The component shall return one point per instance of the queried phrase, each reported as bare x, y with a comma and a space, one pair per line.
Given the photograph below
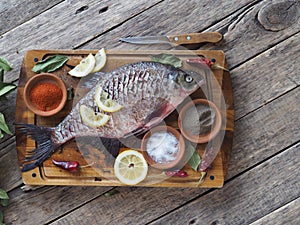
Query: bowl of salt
163, 147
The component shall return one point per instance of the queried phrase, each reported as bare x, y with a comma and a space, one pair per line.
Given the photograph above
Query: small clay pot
43, 78
169, 164
202, 138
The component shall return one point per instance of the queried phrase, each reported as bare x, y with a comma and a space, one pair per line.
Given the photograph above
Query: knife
192, 38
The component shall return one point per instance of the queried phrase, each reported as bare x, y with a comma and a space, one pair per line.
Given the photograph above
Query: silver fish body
148, 92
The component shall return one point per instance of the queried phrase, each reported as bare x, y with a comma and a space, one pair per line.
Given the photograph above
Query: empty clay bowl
44, 80
190, 129
160, 149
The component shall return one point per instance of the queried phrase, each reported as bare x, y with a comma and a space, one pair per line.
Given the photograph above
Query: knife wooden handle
195, 38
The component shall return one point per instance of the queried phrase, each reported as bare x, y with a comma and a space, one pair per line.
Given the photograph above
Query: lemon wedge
100, 58
104, 103
85, 67
130, 167
91, 119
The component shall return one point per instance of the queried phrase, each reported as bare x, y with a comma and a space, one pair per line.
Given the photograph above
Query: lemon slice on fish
85, 67
100, 58
104, 103
92, 119
130, 167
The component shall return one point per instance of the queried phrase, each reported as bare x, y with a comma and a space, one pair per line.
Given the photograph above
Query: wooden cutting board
87, 150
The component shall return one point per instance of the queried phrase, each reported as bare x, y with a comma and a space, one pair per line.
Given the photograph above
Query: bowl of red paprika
45, 94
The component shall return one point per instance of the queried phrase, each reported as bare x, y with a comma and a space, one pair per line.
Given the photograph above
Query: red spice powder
46, 96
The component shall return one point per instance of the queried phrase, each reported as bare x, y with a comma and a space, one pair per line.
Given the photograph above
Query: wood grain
47, 203
287, 214
15, 12
245, 37
252, 195
266, 77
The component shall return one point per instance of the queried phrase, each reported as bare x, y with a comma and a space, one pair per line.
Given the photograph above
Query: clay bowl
39, 79
201, 138
166, 164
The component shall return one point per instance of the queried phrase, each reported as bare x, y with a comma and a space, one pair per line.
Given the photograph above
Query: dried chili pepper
46, 96
71, 166
176, 173
206, 62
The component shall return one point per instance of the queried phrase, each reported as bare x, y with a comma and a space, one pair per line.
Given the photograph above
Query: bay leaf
4, 64
3, 194
5, 88
168, 59
195, 159
50, 64
4, 127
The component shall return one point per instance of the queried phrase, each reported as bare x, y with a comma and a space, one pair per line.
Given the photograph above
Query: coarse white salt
162, 147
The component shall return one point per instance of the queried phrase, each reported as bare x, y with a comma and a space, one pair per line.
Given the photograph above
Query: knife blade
192, 38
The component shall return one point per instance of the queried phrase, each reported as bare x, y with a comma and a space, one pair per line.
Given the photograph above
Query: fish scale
147, 91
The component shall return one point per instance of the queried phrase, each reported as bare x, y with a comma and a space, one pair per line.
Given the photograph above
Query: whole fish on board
147, 91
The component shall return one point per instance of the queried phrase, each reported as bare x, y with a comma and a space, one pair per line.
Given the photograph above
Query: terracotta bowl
44, 78
169, 164
203, 138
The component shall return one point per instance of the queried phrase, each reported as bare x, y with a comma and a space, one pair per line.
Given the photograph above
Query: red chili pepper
206, 62
71, 166
202, 61
176, 173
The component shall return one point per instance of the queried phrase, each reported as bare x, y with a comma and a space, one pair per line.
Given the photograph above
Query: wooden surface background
262, 47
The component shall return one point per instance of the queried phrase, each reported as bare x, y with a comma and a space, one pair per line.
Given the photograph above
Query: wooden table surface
262, 47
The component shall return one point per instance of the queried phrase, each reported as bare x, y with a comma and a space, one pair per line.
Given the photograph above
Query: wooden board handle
195, 38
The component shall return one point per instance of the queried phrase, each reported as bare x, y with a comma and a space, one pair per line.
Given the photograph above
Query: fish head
187, 81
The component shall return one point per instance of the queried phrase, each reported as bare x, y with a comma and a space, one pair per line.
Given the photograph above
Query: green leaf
3, 127
5, 88
4, 64
1, 134
168, 59
111, 193
3, 194
195, 159
50, 64
4, 202
1, 75
1, 218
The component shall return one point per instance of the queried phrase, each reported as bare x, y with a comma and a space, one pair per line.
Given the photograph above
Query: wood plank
246, 35
47, 203
287, 214
267, 76
246, 198
63, 27
252, 145
10, 175
16, 12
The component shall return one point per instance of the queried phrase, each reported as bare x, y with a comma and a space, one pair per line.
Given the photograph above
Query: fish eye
188, 78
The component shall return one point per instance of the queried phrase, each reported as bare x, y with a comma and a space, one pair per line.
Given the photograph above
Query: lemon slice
130, 167
91, 119
104, 103
100, 58
85, 67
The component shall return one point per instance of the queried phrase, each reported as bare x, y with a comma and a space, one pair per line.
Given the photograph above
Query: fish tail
45, 145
